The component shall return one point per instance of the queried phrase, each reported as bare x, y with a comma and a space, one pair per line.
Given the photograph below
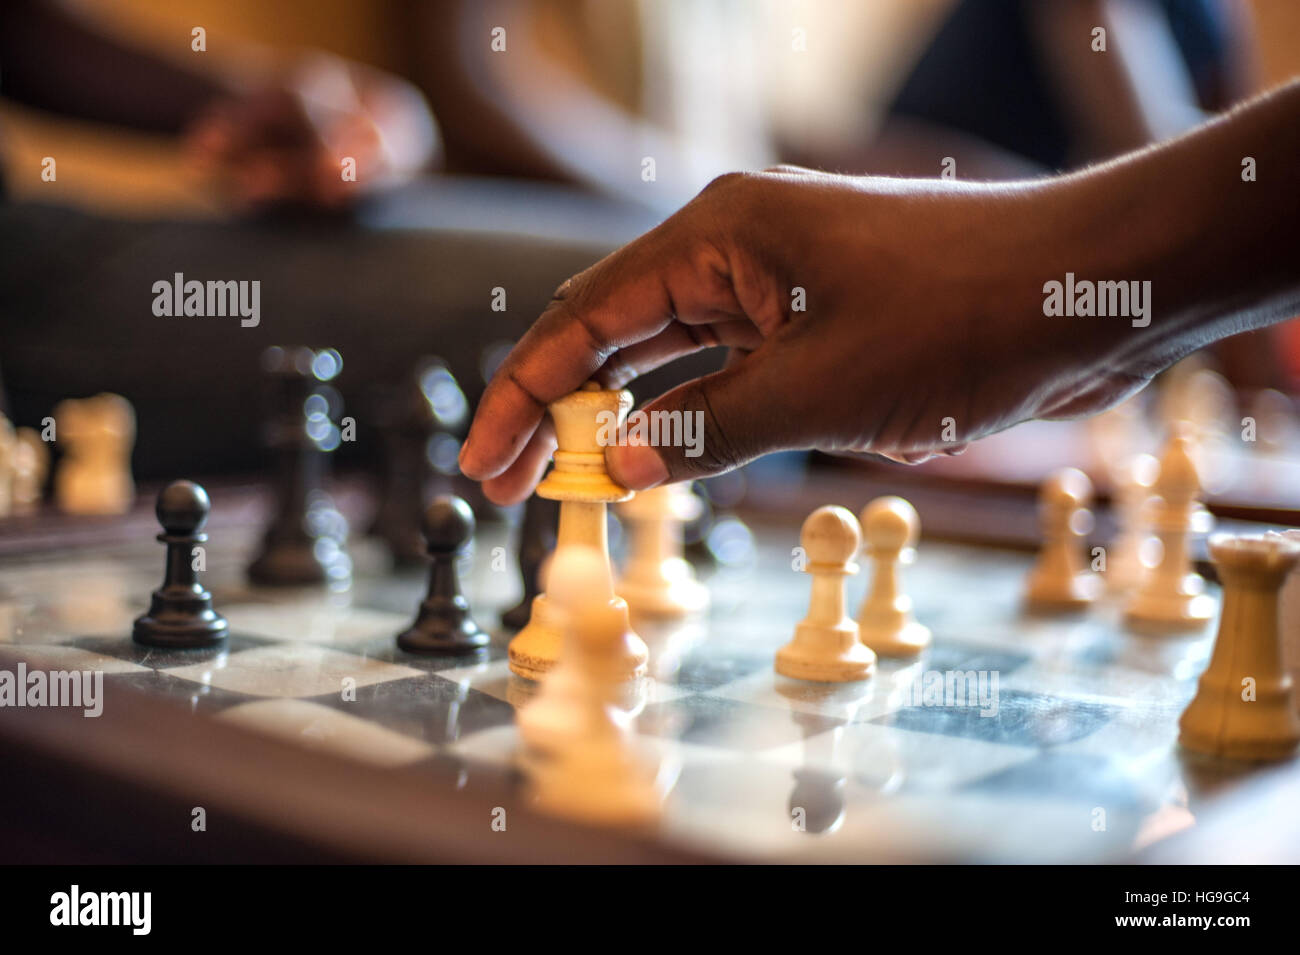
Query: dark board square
385, 649
187, 694
952, 655
124, 648
709, 667
730, 724
1021, 719
425, 707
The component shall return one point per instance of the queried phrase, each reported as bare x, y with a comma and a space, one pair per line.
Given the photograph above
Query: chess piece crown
585, 422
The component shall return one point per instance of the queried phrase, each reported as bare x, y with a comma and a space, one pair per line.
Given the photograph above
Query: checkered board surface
1078, 764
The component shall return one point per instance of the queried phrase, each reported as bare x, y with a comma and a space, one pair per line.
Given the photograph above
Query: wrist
1108, 254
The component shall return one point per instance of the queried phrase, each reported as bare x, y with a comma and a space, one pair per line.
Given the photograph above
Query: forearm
51, 60
1222, 253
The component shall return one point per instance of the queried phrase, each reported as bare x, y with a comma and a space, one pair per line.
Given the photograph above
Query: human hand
923, 330
286, 141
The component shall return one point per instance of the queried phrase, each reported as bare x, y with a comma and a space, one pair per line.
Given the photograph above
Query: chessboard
1246, 445
312, 732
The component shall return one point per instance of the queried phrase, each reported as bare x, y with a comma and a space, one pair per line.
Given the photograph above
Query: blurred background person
271, 133
544, 133
1021, 87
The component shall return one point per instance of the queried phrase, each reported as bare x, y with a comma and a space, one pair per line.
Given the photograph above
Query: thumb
703, 427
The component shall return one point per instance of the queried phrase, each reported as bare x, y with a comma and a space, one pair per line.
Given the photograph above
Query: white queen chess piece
581, 485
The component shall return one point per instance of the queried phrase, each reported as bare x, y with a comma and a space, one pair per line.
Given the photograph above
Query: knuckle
721, 446
574, 286
725, 181
564, 289
787, 169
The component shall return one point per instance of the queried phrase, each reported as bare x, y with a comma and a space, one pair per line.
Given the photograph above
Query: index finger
627, 297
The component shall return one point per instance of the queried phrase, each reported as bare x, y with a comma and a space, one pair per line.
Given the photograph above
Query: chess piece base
82, 499
1258, 734
160, 628
436, 637
906, 641
1253, 751
536, 648
802, 659
1051, 596
1184, 612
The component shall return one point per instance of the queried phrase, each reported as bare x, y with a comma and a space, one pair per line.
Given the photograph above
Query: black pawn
180, 611
536, 541
443, 624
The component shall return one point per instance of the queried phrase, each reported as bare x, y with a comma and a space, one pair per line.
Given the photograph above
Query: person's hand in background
924, 324
287, 142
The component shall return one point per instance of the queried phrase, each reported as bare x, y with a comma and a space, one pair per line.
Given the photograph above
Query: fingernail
636, 467
461, 461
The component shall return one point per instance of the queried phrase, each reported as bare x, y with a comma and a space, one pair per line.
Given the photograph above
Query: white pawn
891, 528
657, 580
31, 462
1059, 580
1172, 596
1245, 706
827, 645
1132, 496
586, 765
96, 435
